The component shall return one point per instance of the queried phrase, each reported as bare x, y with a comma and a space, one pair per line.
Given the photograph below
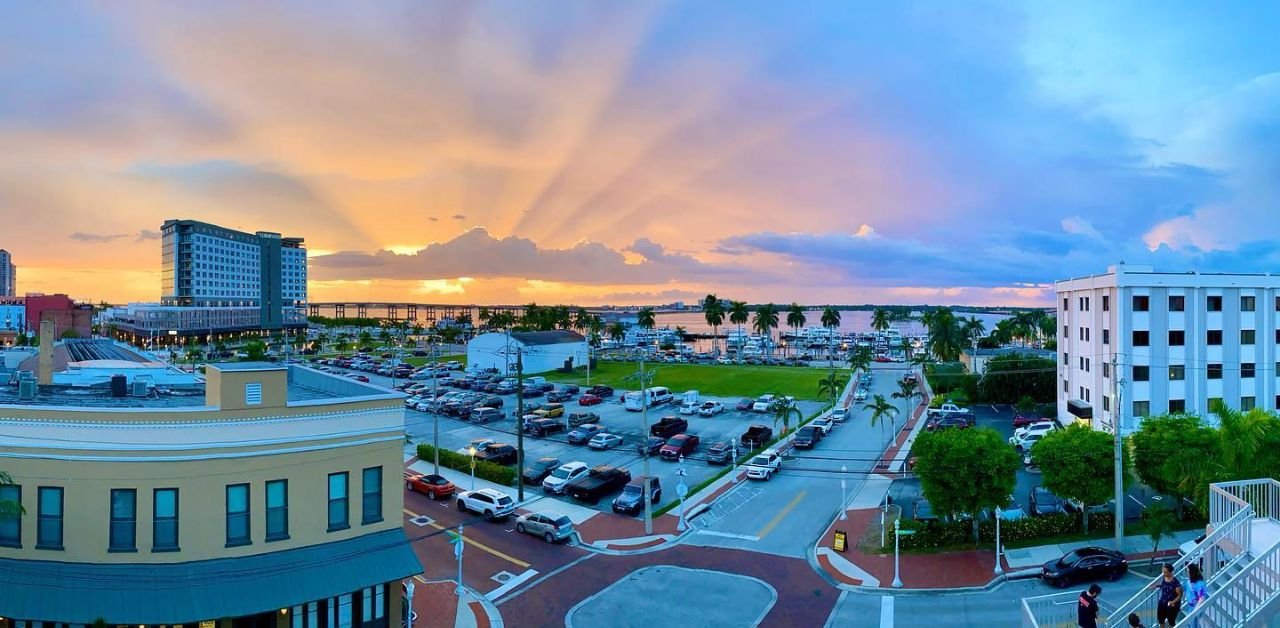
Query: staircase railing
1227, 541
1244, 596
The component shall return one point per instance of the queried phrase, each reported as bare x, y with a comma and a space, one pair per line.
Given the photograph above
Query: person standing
1197, 591
1087, 608
1170, 601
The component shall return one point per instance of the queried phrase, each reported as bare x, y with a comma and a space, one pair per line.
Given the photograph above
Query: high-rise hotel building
8, 275
1135, 342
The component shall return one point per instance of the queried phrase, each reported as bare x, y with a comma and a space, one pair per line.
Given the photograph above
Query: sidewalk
437, 605
1135, 547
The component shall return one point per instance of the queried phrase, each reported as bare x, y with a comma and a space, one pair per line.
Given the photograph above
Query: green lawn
710, 379
419, 361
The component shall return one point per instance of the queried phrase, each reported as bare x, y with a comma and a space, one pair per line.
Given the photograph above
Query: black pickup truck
600, 481
756, 436
498, 453
600, 391
668, 426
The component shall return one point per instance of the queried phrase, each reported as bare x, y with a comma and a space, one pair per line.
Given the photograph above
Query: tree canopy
1077, 463
1008, 378
965, 471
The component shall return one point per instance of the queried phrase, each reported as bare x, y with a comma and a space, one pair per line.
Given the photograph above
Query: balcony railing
1056, 609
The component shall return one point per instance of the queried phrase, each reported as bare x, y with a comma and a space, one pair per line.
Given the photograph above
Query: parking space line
782, 514
476, 544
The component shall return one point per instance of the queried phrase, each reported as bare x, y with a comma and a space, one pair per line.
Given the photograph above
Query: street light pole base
897, 583
843, 515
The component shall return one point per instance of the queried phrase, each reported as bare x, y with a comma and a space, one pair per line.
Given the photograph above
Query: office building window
1278, 304
1177, 303
1278, 336
11, 527
1087, 364
1081, 393
1248, 336
277, 510
1246, 370
1082, 364
373, 604
1177, 372
1141, 408
1066, 304
1177, 338
1106, 369
1141, 304
1066, 331
1176, 406
238, 515
1278, 396
1066, 386
1106, 403
1141, 373
339, 613
371, 496
1106, 303
1248, 304
49, 518
1141, 338
164, 520
1215, 371
1081, 304
1082, 333
1247, 403
1087, 334
1106, 336
124, 520
1214, 337
338, 517
1214, 304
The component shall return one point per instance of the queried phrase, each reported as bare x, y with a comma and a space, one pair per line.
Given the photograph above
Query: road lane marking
476, 544
510, 584
729, 535
886, 611
773, 523
420, 579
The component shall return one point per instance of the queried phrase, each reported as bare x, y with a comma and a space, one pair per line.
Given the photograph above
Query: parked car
1039, 427
1011, 511
806, 437
679, 445
710, 408
572, 389
558, 479
491, 503
825, 424
1084, 565
923, 511
538, 471
432, 485
651, 445
542, 427
1026, 441
559, 396
477, 444
744, 405
530, 393
860, 394
600, 391
668, 426
597, 483
764, 403
839, 415
550, 526
957, 422
1023, 419
485, 415
589, 399
604, 441
1044, 502
720, 452
689, 407
1189, 546
756, 436
584, 433
498, 453
631, 501
550, 411
763, 465
578, 418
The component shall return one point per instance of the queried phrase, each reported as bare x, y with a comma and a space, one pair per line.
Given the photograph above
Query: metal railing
1263, 494
1242, 598
1056, 609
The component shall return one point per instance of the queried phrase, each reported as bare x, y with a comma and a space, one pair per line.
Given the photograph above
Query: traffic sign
840, 541
682, 490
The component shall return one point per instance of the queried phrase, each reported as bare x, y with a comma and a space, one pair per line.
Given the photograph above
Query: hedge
496, 473
938, 534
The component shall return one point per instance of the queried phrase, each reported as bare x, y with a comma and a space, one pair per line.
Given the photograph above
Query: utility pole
519, 424
435, 394
1119, 451
644, 434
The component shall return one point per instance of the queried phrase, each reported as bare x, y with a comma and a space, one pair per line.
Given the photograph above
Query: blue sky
506, 152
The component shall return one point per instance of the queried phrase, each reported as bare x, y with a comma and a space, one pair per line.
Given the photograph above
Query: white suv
1039, 427
764, 465
560, 478
488, 502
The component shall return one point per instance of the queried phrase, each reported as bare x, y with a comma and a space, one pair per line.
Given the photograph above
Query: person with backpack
1087, 607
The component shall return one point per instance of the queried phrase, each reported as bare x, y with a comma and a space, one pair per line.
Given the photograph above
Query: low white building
541, 351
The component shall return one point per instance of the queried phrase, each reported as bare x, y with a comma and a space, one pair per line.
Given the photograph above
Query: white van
534, 381
656, 395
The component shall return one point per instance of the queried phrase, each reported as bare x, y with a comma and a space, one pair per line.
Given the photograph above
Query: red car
679, 445
361, 378
589, 400
432, 485
1023, 420
744, 405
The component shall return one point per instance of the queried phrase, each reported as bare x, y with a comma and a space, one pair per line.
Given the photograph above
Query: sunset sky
593, 152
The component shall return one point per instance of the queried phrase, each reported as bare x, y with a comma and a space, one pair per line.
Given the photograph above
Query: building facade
8, 275
268, 498
540, 351
1134, 342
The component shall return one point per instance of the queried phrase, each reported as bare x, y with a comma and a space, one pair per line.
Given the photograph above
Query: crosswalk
727, 504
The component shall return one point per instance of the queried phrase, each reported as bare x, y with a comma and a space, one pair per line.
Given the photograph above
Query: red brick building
63, 311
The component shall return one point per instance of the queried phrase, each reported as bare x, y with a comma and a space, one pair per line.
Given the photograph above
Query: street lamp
898, 533
473, 467
998, 570
681, 491
843, 498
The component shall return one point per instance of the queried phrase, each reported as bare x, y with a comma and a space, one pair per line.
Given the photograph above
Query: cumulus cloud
96, 238
147, 234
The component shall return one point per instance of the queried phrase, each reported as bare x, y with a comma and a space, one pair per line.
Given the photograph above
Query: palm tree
617, 331
581, 319
484, 315
795, 319
9, 509
1241, 435
945, 335
342, 344
783, 411
645, 318
738, 314
880, 410
880, 319
713, 311
1048, 326
831, 322
831, 385
766, 321
861, 359
973, 328
907, 391
384, 336
907, 348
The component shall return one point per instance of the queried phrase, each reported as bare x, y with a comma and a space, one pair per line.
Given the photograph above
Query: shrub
938, 534
496, 473
950, 379
956, 396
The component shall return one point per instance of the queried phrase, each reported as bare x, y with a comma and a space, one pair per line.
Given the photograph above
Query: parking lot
906, 491
728, 425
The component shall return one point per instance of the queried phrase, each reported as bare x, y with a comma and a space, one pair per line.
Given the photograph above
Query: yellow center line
773, 523
476, 544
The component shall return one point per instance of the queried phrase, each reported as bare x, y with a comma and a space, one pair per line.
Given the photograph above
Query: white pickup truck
949, 408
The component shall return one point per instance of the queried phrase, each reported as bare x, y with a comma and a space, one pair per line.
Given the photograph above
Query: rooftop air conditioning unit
27, 389
139, 388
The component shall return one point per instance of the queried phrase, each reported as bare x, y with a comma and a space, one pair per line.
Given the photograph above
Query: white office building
8, 275
1135, 342
540, 351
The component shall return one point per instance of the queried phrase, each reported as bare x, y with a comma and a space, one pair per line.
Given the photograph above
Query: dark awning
1080, 409
177, 593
